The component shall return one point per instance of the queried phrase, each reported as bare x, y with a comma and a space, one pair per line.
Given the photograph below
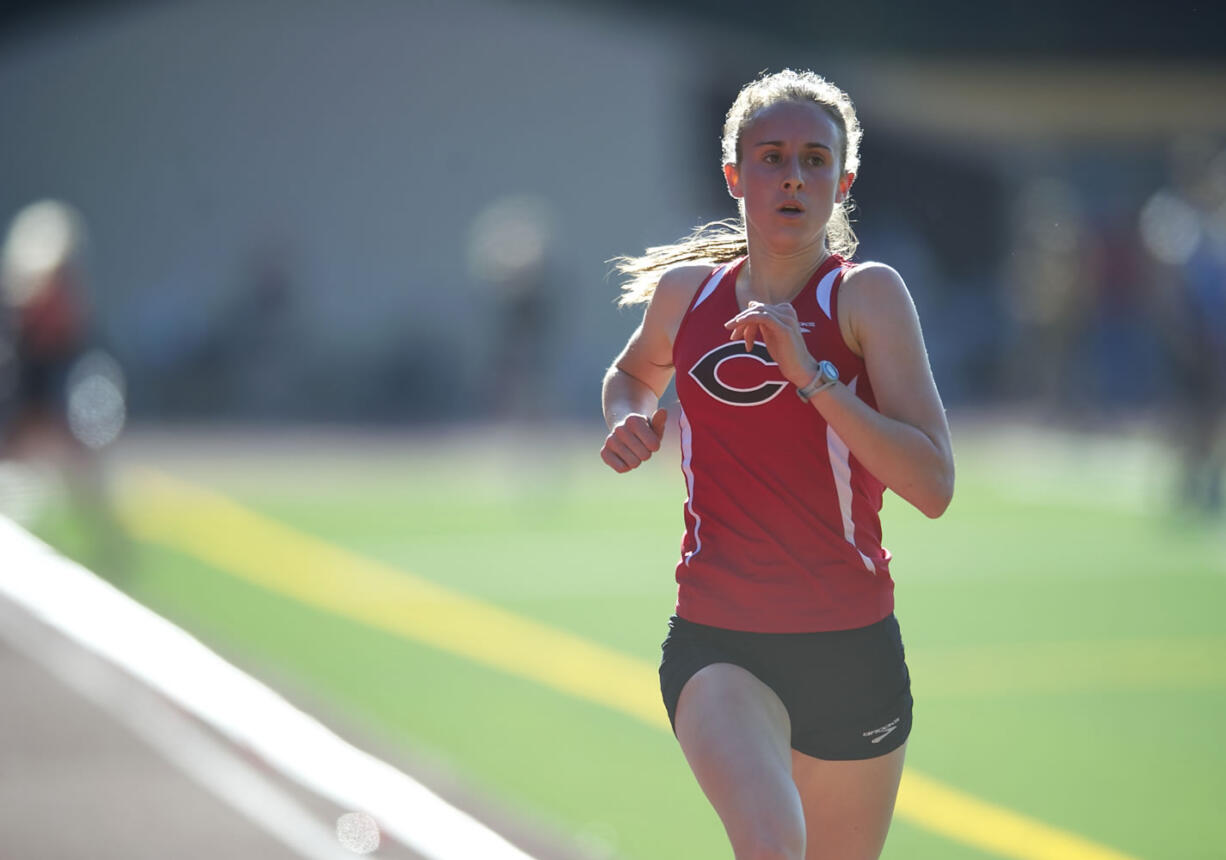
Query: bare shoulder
673, 296
679, 283
872, 281
648, 356
873, 297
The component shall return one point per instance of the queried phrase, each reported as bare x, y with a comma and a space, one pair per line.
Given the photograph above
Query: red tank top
782, 523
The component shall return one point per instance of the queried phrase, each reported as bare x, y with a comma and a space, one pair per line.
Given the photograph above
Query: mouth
791, 207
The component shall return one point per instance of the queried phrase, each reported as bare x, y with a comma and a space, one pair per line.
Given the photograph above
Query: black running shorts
848, 692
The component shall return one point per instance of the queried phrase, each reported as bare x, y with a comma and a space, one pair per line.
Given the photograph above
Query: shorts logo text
878, 735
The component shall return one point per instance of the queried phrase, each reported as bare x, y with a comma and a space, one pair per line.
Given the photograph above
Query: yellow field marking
971, 821
204, 524
259, 550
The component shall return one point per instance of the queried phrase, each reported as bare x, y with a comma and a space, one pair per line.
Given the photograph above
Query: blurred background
226, 223
402, 211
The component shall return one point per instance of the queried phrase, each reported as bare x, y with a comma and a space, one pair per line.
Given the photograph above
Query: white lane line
98, 616
183, 744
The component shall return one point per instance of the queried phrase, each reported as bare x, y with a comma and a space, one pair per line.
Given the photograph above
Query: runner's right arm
638, 377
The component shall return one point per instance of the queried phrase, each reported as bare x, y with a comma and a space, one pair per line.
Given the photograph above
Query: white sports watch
827, 375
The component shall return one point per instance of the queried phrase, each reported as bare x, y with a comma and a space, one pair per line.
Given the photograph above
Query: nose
793, 177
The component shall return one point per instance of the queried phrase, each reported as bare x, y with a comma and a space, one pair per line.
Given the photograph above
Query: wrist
809, 372
825, 376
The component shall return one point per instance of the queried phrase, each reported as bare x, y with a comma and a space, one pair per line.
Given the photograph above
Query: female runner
805, 391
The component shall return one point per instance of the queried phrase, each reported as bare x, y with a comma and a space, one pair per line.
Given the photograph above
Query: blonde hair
721, 241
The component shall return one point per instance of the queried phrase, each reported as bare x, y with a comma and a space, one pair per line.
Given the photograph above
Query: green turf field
1064, 628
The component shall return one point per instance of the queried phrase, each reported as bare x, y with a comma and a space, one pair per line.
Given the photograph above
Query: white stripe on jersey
687, 454
840, 464
687, 436
712, 283
824, 289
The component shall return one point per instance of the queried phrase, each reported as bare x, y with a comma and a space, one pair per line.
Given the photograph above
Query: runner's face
789, 176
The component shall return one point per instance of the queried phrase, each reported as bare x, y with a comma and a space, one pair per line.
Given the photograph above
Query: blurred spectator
509, 249
67, 392
242, 363
64, 396
1047, 295
1125, 358
1183, 228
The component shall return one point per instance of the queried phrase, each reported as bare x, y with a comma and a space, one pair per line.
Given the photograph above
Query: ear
732, 176
844, 187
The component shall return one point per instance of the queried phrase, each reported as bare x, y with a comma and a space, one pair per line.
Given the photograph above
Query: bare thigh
736, 736
847, 804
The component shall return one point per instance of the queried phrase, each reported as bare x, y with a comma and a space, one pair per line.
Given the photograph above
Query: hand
779, 329
633, 440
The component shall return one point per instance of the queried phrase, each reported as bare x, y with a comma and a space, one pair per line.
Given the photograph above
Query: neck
771, 276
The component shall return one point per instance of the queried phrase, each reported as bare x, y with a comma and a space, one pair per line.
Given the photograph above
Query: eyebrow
811, 145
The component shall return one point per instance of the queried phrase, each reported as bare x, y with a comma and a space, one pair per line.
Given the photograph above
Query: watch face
829, 371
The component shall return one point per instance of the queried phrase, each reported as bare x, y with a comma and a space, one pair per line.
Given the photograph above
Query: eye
816, 160
771, 157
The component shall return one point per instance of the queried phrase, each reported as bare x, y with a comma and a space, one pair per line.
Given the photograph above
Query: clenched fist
633, 440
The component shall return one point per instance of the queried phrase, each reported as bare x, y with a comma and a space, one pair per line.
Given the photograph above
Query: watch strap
826, 376
820, 382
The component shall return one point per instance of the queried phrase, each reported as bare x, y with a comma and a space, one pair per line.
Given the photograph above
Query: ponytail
711, 244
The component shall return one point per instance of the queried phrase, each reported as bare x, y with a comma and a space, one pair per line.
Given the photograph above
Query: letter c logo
706, 373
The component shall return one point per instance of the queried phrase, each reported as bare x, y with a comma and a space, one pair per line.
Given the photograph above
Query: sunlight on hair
723, 241
797, 86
